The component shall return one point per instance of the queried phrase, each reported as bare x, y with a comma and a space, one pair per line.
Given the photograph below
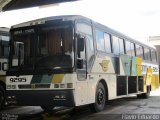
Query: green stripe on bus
134, 69
46, 78
126, 63
36, 79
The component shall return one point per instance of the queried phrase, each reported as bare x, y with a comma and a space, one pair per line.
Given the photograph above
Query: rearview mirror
80, 43
80, 63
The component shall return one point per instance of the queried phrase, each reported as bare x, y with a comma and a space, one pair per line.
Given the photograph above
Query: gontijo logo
104, 64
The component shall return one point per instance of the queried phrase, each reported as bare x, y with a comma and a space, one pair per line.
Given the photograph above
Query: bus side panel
155, 78
105, 68
151, 75
155, 82
81, 93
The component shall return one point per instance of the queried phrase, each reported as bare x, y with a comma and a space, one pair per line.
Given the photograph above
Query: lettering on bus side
144, 68
3, 66
155, 69
18, 80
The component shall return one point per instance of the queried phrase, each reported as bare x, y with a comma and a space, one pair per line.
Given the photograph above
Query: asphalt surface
120, 109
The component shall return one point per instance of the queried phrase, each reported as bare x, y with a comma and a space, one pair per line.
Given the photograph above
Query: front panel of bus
43, 75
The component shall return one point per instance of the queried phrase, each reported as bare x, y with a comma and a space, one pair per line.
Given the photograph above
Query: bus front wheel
100, 99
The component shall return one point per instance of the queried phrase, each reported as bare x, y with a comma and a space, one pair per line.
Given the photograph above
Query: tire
100, 99
47, 108
2, 97
145, 95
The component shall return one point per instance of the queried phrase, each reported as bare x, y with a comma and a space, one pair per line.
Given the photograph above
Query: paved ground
120, 109
130, 108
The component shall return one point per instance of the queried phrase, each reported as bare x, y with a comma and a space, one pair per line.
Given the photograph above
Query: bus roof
43, 20
75, 17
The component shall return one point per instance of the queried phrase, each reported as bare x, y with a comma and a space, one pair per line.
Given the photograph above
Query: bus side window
115, 44
139, 51
100, 40
146, 54
86, 30
90, 50
128, 48
150, 58
156, 57
121, 45
132, 49
107, 40
153, 55
4, 49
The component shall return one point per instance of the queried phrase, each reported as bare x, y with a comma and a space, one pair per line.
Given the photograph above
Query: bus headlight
56, 85
62, 85
8, 86
69, 85
13, 86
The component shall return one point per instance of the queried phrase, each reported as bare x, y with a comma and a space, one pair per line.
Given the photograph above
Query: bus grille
31, 86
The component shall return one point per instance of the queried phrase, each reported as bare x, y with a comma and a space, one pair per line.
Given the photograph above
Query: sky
137, 19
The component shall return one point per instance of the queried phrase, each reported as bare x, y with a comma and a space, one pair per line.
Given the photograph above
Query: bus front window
48, 48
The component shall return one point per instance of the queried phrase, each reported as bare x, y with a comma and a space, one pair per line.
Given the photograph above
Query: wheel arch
3, 84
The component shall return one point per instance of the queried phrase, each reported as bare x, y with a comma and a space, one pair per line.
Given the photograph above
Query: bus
73, 61
4, 47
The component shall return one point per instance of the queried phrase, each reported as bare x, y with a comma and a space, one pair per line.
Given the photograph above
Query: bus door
85, 49
81, 58
4, 48
85, 58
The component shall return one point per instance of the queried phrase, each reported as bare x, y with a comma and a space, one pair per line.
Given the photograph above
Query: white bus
73, 61
4, 47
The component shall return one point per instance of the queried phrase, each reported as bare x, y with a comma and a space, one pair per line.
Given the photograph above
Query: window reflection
115, 45
107, 43
100, 40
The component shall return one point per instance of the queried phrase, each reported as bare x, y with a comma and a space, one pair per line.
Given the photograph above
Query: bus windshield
43, 47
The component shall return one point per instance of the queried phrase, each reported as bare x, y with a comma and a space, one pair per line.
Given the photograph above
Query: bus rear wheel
100, 99
145, 95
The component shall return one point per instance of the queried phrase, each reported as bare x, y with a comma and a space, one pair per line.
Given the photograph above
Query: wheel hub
100, 96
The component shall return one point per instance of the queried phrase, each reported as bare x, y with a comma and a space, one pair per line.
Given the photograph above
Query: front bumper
41, 97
